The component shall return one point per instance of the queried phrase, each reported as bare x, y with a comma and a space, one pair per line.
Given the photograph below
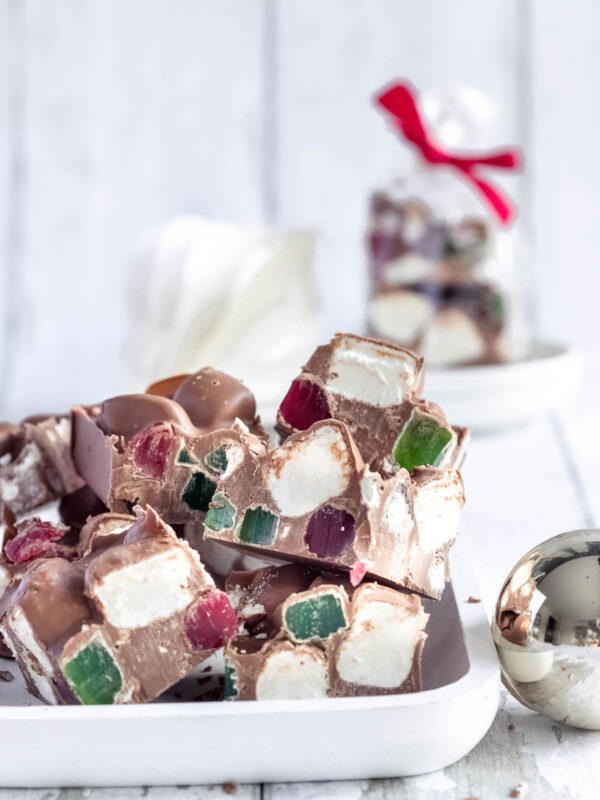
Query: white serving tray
504, 395
296, 740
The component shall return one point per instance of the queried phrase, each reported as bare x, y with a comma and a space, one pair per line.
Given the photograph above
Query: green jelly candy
217, 460
93, 675
258, 527
199, 492
185, 458
315, 618
230, 682
421, 442
220, 515
496, 305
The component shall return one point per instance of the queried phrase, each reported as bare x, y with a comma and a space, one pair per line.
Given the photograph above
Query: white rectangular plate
296, 740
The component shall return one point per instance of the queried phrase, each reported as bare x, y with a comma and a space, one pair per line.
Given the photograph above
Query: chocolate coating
214, 399
12, 439
127, 414
75, 508
167, 386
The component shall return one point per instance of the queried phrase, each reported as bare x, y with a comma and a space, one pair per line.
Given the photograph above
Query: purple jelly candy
329, 532
304, 404
34, 538
210, 621
149, 449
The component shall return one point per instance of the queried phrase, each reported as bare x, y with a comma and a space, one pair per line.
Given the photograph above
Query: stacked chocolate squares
352, 514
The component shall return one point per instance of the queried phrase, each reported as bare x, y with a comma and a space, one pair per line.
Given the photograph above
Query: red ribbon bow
400, 101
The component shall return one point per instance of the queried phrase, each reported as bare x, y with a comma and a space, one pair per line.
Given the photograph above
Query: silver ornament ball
547, 629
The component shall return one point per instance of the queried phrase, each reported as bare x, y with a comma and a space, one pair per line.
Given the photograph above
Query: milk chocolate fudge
374, 387
313, 499
428, 292
122, 623
306, 636
35, 462
166, 448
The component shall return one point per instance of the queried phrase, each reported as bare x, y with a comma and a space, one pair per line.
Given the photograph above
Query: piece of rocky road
312, 499
166, 448
27, 541
134, 614
35, 462
374, 387
306, 636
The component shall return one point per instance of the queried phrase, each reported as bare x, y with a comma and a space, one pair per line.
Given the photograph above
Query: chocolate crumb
230, 788
207, 669
515, 793
6, 676
474, 599
511, 727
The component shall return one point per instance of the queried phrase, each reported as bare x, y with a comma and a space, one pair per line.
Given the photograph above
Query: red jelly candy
34, 538
329, 532
210, 621
304, 404
149, 449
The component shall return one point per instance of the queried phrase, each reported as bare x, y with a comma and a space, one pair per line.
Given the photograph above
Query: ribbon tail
498, 201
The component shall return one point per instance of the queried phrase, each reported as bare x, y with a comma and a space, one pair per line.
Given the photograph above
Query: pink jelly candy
304, 404
329, 532
210, 621
34, 539
149, 449
357, 572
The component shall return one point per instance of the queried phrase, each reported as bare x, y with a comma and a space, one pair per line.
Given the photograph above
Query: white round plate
502, 395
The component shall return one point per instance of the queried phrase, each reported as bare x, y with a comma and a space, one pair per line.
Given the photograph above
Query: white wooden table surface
523, 486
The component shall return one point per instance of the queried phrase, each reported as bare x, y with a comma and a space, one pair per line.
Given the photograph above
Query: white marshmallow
5, 580
371, 373
400, 315
306, 474
436, 506
437, 577
293, 674
380, 647
369, 488
452, 338
410, 268
235, 456
397, 515
156, 588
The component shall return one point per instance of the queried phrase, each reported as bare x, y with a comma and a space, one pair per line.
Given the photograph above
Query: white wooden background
117, 114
